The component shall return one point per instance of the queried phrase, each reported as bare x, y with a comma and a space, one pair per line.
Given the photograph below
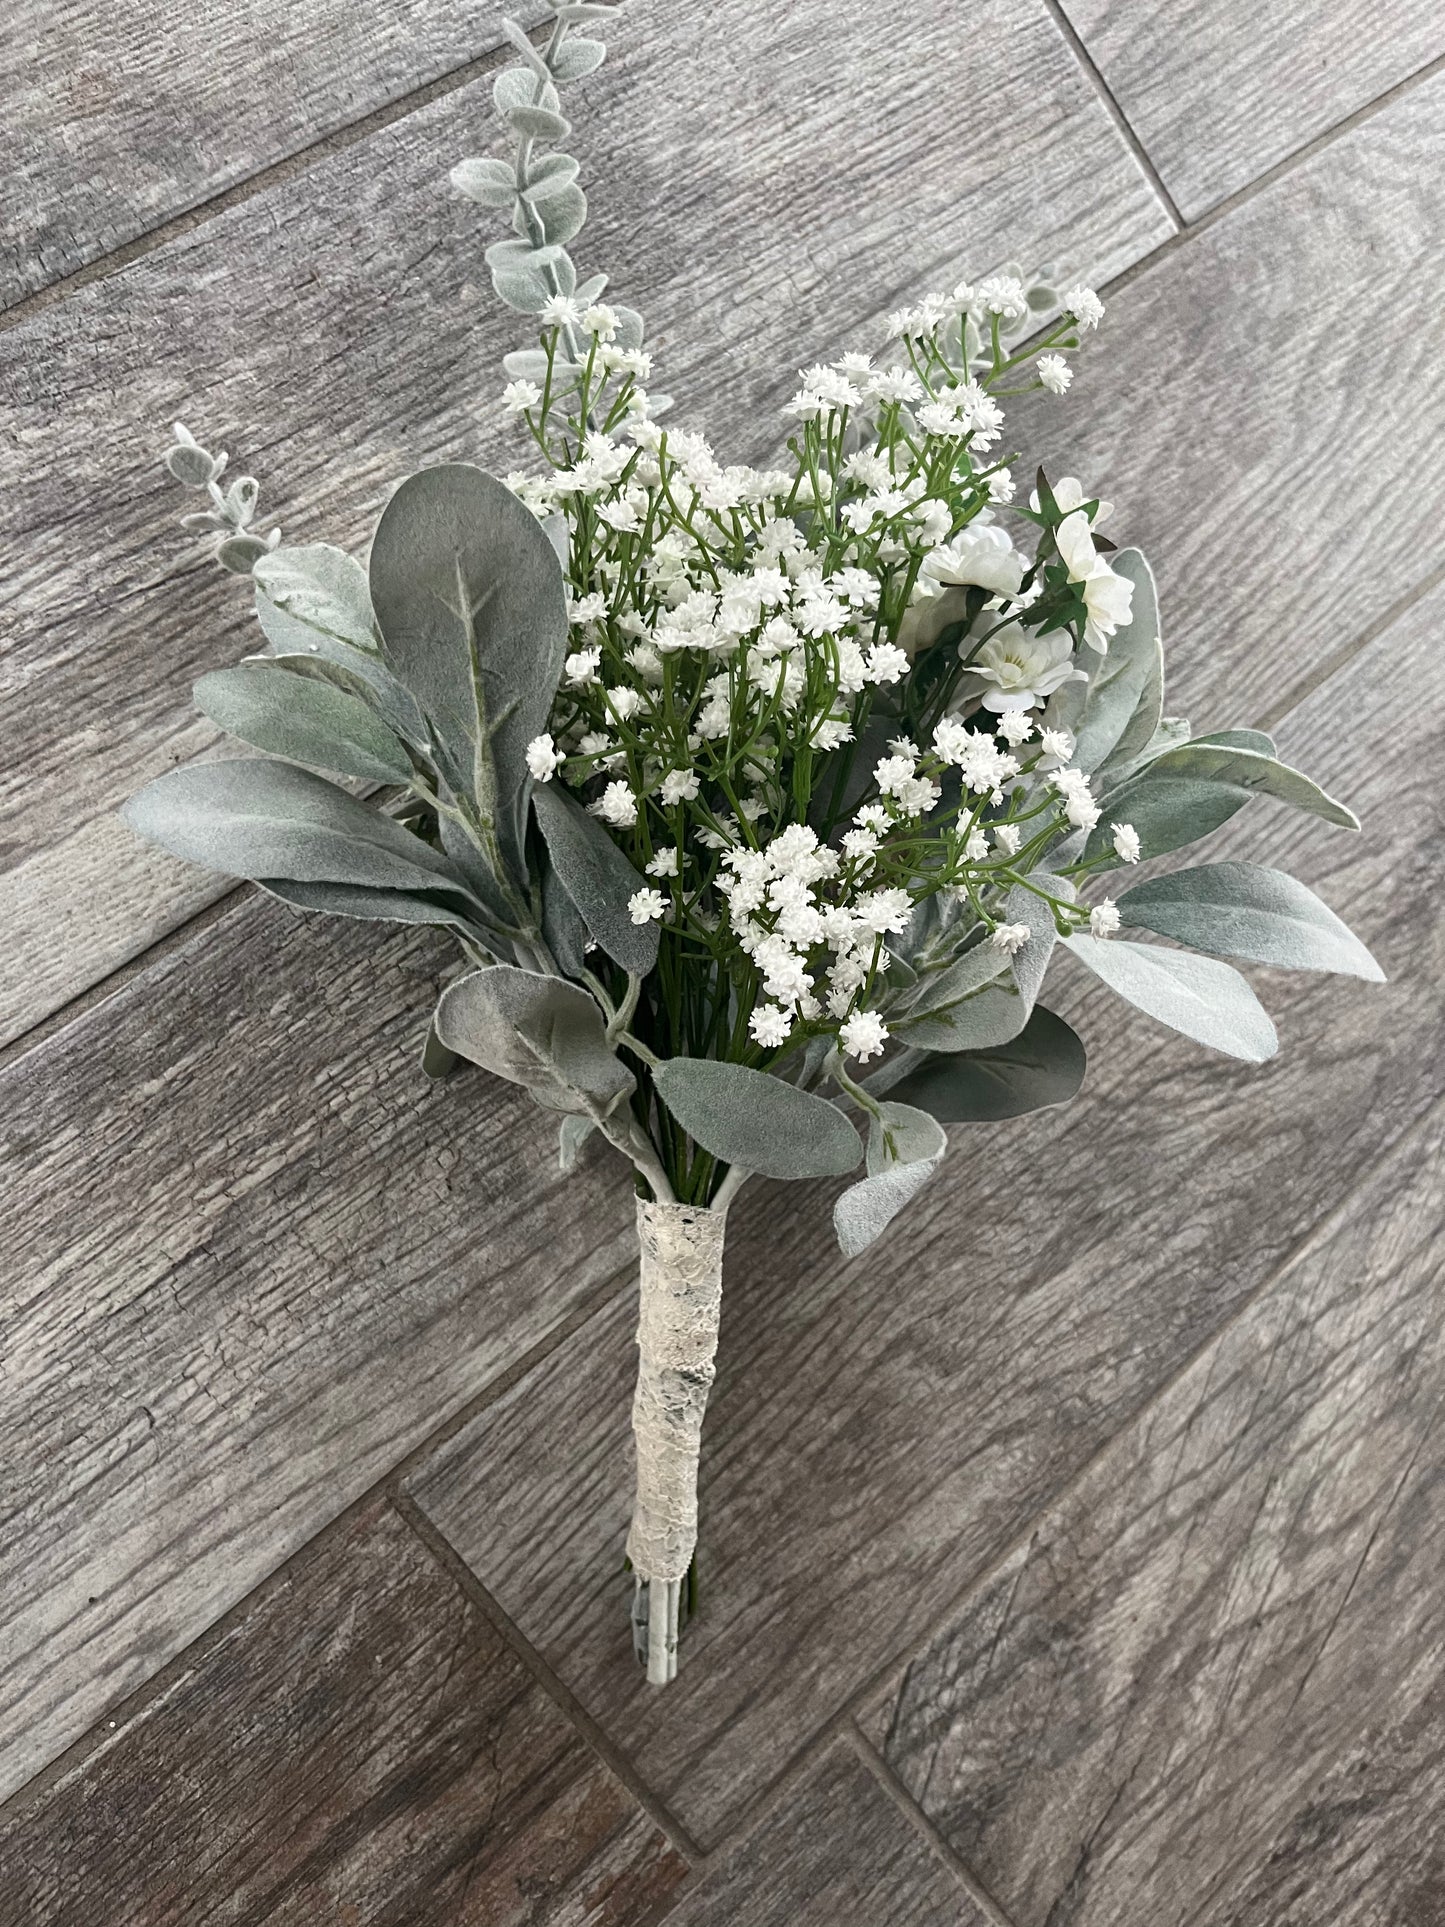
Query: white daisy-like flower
1024, 668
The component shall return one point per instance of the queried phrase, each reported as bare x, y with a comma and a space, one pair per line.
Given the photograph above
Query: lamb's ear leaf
562, 926
1125, 691
758, 1122
1187, 792
470, 602
255, 818
597, 876
313, 595
303, 719
1041, 1067
537, 1031
985, 998
905, 1148
1197, 996
374, 905
1253, 739
573, 1134
1245, 910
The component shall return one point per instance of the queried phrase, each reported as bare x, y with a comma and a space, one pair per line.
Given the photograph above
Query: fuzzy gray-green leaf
1202, 999
905, 1148
303, 719
1246, 910
747, 1118
263, 820
596, 876
537, 1031
469, 599
1190, 791
1043, 1066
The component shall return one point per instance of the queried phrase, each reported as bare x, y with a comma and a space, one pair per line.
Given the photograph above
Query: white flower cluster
812, 951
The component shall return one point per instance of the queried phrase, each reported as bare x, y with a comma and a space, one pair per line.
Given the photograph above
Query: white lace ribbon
680, 1296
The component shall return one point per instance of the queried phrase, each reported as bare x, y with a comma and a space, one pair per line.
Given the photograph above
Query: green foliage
536, 1031
1043, 1066
1245, 910
905, 1148
302, 719
597, 877
1196, 996
757, 1122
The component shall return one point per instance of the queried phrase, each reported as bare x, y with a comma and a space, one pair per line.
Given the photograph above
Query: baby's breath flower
1104, 919
663, 862
1010, 937
543, 758
519, 396
770, 1025
1085, 306
1126, 842
617, 805
646, 906
1055, 373
863, 1035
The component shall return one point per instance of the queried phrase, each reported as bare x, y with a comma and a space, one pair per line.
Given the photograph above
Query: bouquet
757, 801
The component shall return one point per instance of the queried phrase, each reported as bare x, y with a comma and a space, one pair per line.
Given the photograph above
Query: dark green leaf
1042, 1066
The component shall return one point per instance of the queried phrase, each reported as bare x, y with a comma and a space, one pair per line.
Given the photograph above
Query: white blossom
543, 758
646, 906
680, 786
1085, 306
663, 862
1010, 937
981, 555
770, 1025
617, 805
1126, 842
518, 396
863, 1035
1055, 373
1024, 667
1104, 918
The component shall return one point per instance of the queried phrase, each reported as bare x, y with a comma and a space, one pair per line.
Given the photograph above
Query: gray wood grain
880, 1430
1217, 100
1259, 403
250, 1258
119, 117
760, 198
359, 1747
1141, 1697
1367, 1847
837, 1852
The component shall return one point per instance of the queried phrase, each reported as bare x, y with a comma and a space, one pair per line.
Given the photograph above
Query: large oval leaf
306, 720
1188, 792
1041, 1067
1196, 996
1246, 910
755, 1121
469, 598
597, 876
311, 595
265, 820
375, 906
537, 1031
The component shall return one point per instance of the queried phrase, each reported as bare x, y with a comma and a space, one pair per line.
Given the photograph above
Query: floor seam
887, 1782
1077, 46
441, 1549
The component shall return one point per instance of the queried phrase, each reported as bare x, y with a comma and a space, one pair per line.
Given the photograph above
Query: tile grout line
445, 1554
133, 1706
1074, 41
874, 1764
890, 1675
1261, 184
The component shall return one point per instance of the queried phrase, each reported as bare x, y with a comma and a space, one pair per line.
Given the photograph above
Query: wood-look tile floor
1075, 1561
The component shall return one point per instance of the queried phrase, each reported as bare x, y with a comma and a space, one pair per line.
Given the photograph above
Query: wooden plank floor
1077, 1559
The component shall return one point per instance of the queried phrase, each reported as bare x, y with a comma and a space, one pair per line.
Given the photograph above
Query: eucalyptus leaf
517, 87
1190, 791
240, 553
597, 877
562, 211
538, 123
550, 167
470, 602
1200, 998
577, 57
536, 1031
757, 1122
492, 183
1246, 910
905, 1148
1043, 1066
266, 820
303, 719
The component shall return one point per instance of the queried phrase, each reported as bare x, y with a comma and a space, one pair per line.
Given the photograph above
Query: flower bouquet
757, 802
